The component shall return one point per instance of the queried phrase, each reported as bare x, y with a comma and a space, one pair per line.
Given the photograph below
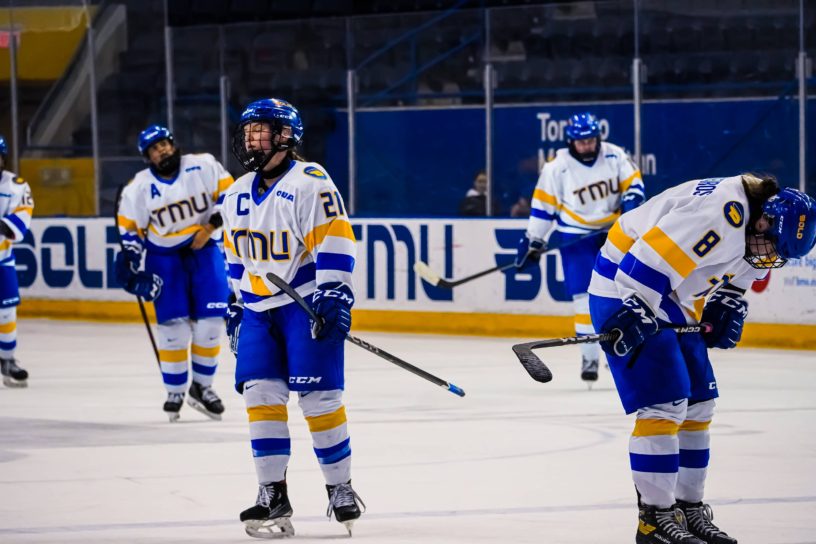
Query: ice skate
343, 503
13, 375
172, 405
270, 517
204, 399
589, 371
663, 526
699, 518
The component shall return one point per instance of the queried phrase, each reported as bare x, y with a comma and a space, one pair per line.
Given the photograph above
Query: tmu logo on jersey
182, 210
598, 190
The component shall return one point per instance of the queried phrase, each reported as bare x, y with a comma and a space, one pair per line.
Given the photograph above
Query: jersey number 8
706, 243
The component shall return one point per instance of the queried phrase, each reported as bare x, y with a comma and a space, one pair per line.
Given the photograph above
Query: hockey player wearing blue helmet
579, 195
287, 217
169, 213
686, 256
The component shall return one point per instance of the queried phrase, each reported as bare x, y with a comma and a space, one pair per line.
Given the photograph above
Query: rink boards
66, 269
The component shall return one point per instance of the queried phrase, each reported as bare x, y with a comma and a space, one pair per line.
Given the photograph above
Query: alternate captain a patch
734, 213
314, 172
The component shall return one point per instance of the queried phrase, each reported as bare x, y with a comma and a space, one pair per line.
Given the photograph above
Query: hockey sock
205, 349
654, 452
8, 332
268, 428
583, 325
174, 339
695, 440
326, 415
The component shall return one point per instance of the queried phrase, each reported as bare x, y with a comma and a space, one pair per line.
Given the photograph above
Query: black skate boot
699, 517
589, 371
343, 502
172, 405
663, 526
270, 517
13, 375
204, 399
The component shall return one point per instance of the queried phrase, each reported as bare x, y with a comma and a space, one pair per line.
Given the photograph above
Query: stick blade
426, 273
534, 366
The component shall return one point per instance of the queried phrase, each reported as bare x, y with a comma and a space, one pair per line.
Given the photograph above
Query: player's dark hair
758, 188
294, 155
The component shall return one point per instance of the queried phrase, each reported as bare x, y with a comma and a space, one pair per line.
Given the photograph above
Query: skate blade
173, 416
349, 525
15, 384
269, 528
201, 408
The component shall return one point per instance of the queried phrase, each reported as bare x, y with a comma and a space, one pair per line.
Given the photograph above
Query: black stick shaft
499, 268
589, 338
450, 284
286, 288
138, 298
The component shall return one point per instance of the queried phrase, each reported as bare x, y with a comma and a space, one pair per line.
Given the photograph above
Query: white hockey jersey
574, 198
16, 208
297, 229
162, 214
677, 248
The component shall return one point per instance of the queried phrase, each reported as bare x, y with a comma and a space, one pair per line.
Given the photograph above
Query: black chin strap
278, 170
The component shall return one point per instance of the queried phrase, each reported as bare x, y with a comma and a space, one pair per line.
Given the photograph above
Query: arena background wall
66, 270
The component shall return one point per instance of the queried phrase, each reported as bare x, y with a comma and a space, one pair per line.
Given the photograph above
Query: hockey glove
529, 251
726, 310
145, 285
127, 264
630, 201
235, 313
635, 322
332, 302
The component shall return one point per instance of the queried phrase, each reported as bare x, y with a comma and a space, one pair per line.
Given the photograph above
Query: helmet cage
761, 252
271, 140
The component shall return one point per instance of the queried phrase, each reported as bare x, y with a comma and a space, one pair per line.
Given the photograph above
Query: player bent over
169, 212
582, 191
16, 207
686, 256
287, 217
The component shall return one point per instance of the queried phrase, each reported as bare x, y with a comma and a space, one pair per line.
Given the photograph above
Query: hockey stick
289, 290
138, 298
427, 273
540, 372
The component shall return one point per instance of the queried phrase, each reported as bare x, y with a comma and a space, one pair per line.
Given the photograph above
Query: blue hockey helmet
152, 135
3, 147
582, 126
792, 214
791, 233
278, 114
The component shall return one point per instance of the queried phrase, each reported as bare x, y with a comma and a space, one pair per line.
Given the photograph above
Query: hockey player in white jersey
287, 217
583, 190
16, 207
686, 256
170, 212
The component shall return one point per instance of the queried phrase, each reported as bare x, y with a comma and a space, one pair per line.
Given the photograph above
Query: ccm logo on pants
305, 379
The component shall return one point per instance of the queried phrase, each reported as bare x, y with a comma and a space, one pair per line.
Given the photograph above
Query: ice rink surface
87, 455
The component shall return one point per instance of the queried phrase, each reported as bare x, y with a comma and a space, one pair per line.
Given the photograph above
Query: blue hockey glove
726, 310
235, 313
529, 251
630, 201
332, 302
127, 264
145, 285
635, 322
